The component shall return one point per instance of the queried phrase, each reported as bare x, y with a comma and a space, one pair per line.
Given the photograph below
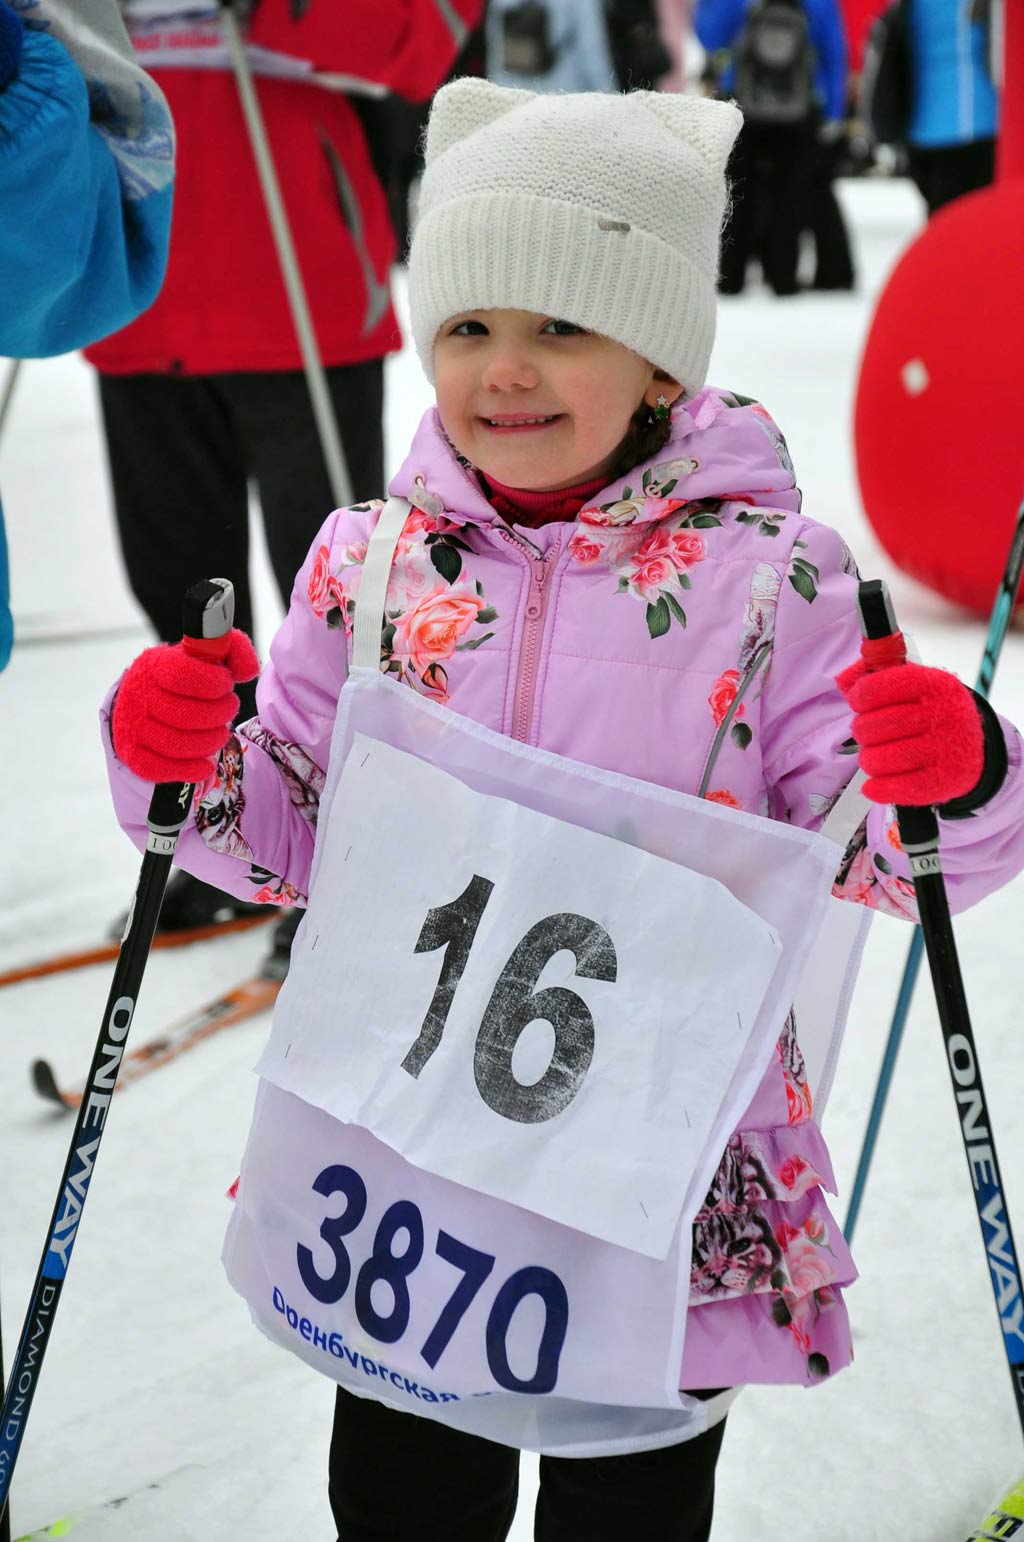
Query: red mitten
173, 711
919, 730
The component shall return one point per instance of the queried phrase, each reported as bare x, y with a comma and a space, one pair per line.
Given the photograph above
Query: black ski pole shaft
208, 614
999, 621
919, 836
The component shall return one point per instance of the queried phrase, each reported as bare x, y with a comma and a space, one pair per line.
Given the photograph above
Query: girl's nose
510, 369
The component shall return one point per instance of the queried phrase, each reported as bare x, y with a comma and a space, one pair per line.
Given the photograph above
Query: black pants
182, 449
833, 268
949, 171
770, 174
395, 1477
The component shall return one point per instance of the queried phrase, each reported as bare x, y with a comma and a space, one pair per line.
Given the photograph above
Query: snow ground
157, 1391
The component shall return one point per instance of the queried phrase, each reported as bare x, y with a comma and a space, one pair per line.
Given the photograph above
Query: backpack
886, 88
526, 47
775, 64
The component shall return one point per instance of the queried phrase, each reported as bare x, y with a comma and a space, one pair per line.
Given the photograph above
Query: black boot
275, 965
188, 902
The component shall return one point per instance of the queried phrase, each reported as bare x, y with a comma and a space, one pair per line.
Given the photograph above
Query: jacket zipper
761, 658
533, 630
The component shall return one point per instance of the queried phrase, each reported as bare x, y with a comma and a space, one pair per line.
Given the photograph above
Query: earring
662, 410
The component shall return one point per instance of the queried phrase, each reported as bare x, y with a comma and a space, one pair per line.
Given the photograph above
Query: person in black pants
770, 173
396, 1477
182, 451
942, 173
786, 66
833, 267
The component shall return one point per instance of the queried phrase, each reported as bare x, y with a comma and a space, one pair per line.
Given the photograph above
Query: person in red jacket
205, 392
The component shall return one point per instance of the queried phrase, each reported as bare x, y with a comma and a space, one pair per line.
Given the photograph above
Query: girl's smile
518, 425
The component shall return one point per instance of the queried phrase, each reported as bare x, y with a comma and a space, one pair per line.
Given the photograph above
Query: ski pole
919, 837
5, 1519
7, 394
1000, 620
323, 410
208, 613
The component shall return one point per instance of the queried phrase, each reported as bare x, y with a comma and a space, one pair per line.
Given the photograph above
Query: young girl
604, 559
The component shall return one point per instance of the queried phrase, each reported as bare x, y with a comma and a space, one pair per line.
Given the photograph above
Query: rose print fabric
430, 609
764, 1237
685, 628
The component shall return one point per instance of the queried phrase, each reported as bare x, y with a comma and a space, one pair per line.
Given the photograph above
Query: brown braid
645, 436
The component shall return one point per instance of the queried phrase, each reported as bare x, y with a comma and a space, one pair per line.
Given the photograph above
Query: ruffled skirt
769, 1263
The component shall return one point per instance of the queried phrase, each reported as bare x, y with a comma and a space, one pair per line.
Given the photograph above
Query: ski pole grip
207, 614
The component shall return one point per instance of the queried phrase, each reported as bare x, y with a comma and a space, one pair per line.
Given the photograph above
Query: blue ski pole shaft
919, 837
885, 1075
208, 613
5, 1519
1000, 620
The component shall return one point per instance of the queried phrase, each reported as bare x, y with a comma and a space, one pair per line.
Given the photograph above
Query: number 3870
393, 1269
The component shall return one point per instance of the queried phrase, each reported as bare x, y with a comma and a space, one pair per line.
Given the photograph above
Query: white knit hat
599, 209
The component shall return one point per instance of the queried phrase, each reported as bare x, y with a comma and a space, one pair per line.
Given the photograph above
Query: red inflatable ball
939, 418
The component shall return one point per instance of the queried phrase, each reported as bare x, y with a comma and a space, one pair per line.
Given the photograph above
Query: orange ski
234, 1006
107, 952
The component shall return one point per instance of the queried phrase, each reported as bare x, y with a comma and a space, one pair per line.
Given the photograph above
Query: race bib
493, 992
529, 975
189, 34
401, 1284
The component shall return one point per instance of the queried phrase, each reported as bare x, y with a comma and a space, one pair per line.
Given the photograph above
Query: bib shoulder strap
373, 584
847, 814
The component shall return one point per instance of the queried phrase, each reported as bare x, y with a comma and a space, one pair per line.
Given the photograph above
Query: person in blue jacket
544, 46
951, 139
787, 113
86, 174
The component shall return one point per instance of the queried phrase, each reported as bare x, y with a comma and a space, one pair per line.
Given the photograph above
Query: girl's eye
564, 328
468, 329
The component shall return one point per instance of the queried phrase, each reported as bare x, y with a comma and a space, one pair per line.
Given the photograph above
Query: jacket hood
722, 447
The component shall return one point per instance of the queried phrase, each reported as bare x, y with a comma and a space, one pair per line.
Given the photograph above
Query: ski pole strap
883, 652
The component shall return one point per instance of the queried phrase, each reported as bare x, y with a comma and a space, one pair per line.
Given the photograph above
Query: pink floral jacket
686, 629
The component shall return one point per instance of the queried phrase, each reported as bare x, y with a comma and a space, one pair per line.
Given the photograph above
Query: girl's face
535, 402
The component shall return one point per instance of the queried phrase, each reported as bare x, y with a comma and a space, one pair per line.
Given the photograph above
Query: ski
1006, 1518
244, 1001
63, 1528
62, 963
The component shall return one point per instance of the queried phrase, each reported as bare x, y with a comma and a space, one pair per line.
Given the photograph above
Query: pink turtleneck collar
519, 506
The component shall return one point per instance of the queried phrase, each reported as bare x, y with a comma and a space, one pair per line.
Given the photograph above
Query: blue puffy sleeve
83, 245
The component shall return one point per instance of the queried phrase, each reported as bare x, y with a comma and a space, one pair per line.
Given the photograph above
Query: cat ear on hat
709, 127
464, 106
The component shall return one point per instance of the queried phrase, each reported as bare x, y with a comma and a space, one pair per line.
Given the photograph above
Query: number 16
514, 1004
